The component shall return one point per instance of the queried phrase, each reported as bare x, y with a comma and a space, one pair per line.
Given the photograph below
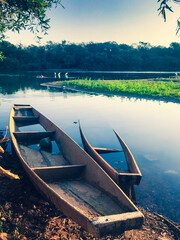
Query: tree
1, 56
164, 6
16, 15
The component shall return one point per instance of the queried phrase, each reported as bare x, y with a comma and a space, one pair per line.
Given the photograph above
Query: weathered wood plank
114, 224
32, 157
55, 159
26, 119
87, 199
22, 107
106, 150
20, 136
61, 172
35, 158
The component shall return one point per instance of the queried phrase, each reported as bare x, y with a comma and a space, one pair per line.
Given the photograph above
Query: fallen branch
8, 174
4, 140
172, 224
1, 150
4, 135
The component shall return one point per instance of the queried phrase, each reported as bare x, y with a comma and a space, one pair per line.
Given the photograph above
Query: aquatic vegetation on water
156, 88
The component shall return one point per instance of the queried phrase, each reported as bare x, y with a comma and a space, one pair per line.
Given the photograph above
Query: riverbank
26, 215
163, 89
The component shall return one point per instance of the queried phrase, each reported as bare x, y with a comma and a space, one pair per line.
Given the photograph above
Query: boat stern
116, 224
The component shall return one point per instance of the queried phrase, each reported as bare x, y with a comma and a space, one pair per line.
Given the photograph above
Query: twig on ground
171, 223
8, 174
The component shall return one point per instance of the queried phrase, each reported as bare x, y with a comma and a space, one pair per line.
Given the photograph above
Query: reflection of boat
72, 180
125, 179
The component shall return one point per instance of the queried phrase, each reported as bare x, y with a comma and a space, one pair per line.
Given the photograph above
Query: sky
122, 21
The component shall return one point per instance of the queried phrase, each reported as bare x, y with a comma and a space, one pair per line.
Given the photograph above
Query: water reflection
150, 128
10, 84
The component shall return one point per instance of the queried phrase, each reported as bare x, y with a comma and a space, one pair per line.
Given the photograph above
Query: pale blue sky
123, 21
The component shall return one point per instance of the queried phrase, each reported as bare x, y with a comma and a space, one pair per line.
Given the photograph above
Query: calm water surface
151, 129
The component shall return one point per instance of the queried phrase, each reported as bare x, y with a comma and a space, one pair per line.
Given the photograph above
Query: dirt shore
26, 215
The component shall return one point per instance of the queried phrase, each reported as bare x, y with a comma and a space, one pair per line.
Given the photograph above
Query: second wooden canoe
125, 179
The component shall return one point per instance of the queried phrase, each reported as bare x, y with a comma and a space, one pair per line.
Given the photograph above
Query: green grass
152, 88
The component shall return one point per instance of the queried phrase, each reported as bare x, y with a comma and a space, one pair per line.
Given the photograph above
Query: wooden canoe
125, 179
71, 179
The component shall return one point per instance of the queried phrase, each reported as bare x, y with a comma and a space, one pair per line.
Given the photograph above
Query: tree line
107, 56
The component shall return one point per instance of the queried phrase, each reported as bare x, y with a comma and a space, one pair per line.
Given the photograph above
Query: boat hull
74, 182
123, 179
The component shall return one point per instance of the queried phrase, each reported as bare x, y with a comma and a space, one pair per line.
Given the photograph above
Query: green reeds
134, 87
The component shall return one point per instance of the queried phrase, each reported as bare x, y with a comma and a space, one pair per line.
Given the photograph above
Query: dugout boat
126, 179
70, 179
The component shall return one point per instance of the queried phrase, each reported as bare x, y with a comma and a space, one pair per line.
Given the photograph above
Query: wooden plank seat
22, 105
22, 108
61, 172
24, 136
26, 119
106, 150
125, 177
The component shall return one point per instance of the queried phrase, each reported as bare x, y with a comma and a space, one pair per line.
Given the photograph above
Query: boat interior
59, 173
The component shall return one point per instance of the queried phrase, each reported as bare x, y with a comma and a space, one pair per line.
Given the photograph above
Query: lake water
151, 129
